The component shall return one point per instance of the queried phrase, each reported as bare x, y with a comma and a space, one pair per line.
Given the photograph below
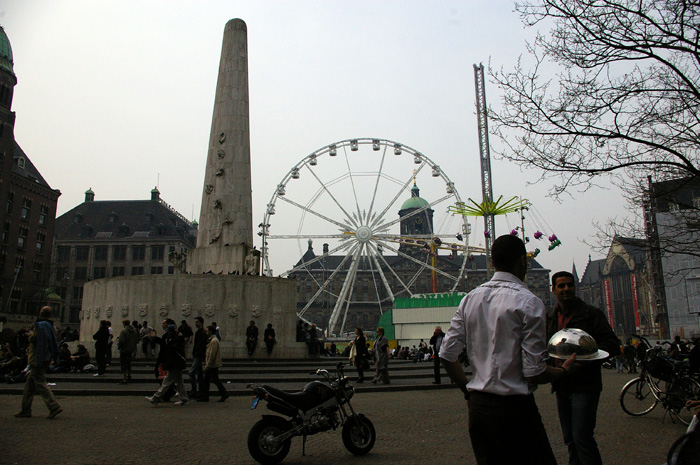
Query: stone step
236, 374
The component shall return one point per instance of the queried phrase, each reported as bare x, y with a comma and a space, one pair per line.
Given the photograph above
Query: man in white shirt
502, 325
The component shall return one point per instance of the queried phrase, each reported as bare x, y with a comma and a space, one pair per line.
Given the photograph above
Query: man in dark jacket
172, 358
578, 393
101, 338
436, 342
199, 353
251, 337
126, 343
43, 347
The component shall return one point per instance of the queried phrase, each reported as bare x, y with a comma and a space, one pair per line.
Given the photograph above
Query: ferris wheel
380, 210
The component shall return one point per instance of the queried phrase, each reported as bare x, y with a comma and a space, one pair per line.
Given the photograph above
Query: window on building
100, 253
38, 267
136, 270
10, 202
138, 252
62, 254
22, 237
118, 271
119, 252
43, 214
80, 273
171, 270
26, 209
62, 272
99, 272
6, 232
61, 291
78, 292
74, 315
156, 270
3, 259
157, 252
19, 267
82, 253
40, 239
15, 299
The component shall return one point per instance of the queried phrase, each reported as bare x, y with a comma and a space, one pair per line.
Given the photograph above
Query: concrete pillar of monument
225, 233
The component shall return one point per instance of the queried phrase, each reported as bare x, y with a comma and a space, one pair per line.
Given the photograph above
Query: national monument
219, 280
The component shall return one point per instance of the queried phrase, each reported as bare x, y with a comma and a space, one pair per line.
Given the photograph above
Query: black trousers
436, 368
212, 376
508, 430
101, 358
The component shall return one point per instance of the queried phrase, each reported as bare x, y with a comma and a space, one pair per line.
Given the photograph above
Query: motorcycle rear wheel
259, 444
359, 435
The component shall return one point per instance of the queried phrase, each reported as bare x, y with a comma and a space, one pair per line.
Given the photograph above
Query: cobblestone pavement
413, 427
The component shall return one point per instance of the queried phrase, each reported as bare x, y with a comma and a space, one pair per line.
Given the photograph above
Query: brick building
27, 215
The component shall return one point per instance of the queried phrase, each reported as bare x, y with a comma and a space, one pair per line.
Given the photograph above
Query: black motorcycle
320, 406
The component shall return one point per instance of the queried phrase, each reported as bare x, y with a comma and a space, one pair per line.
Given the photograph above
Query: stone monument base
231, 301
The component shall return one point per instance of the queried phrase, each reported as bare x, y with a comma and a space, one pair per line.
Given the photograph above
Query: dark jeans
212, 376
508, 430
250, 344
436, 368
195, 374
125, 362
577, 416
101, 357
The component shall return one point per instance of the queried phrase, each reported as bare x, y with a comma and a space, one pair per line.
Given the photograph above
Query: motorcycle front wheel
261, 444
359, 434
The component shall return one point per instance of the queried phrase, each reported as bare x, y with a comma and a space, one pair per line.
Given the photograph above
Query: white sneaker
152, 399
182, 402
98, 374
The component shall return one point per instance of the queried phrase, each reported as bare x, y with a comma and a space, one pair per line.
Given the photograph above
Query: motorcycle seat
301, 399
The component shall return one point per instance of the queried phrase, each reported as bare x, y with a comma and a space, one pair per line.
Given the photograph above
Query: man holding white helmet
578, 394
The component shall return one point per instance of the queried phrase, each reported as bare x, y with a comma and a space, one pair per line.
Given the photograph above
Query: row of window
119, 252
22, 234
80, 273
26, 210
18, 270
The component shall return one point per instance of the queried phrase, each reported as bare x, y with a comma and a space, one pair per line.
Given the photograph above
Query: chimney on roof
155, 194
89, 195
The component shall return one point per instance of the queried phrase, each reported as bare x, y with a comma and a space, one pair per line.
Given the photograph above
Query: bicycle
641, 395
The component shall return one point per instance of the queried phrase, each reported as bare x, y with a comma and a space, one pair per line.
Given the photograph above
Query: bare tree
625, 102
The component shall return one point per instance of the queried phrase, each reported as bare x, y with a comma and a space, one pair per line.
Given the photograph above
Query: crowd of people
634, 351
505, 370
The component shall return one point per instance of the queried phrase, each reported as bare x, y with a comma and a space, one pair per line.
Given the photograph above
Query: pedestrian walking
381, 356
199, 353
126, 344
42, 348
211, 368
436, 341
172, 358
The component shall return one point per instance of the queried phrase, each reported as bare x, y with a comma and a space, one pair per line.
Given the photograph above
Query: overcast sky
117, 96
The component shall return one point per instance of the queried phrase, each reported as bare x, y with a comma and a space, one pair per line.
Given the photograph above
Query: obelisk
225, 233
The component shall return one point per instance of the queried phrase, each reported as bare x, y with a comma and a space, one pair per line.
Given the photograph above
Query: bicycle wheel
636, 398
687, 389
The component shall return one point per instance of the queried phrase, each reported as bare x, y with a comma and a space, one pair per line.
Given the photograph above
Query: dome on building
6, 61
415, 201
